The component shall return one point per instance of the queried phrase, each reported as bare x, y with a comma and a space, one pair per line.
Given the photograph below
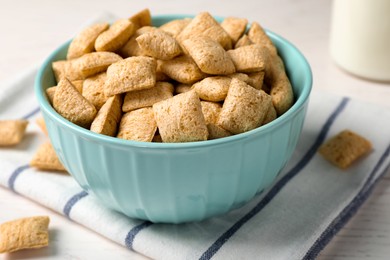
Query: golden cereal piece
147, 97
69, 103
257, 35
78, 84
159, 44
46, 159
24, 233
243, 41
235, 27
107, 119
59, 69
249, 58
116, 36
271, 115
182, 69
241, 76
50, 92
133, 73
160, 75
244, 108
281, 89
216, 131
84, 42
12, 131
138, 125
210, 111
42, 125
256, 79
141, 19
180, 119
213, 88
131, 48
182, 88
345, 148
205, 25
93, 90
275, 73
92, 63
175, 27
209, 55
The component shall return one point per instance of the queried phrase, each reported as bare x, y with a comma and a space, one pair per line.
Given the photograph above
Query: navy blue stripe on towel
214, 248
349, 211
14, 176
72, 201
133, 232
31, 113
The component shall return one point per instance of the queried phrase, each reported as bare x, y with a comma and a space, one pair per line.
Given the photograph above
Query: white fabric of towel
294, 219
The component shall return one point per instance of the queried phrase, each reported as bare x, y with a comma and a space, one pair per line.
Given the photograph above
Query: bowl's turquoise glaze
178, 182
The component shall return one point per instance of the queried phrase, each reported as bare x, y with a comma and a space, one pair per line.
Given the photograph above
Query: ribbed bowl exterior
175, 183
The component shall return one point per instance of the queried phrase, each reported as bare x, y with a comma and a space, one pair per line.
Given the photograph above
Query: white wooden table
30, 30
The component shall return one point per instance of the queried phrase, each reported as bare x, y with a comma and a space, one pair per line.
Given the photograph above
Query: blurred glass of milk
360, 37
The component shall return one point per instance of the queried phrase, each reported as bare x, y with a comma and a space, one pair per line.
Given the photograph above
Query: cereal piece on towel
159, 44
345, 148
142, 18
131, 48
209, 55
147, 97
205, 25
249, 58
138, 125
107, 119
235, 27
212, 88
69, 103
210, 111
46, 159
133, 73
180, 118
182, 69
244, 108
93, 90
84, 42
175, 27
24, 233
116, 36
92, 63
243, 41
12, 131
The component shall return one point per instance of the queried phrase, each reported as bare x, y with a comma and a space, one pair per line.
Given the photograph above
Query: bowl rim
47, 108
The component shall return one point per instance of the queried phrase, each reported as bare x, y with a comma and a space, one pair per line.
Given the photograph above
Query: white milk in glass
360, 37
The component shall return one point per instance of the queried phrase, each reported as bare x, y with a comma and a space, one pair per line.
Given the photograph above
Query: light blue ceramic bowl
178, 182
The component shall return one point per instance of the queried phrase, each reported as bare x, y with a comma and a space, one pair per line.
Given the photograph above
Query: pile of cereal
187, 80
